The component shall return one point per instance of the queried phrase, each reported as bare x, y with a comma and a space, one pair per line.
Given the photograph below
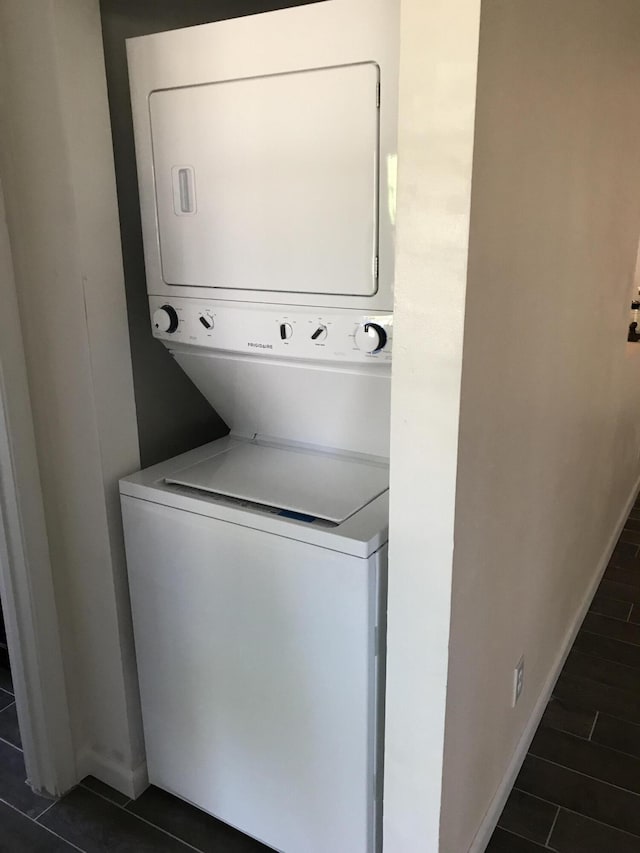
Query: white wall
439, 44
56, 163
550, 416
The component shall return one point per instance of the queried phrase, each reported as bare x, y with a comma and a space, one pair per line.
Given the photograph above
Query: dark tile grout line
523, 837
619, 720
133, 814
45, 810
606, 660
12, 745
104, 796
604, 637
6, 707
589, 738
42, 826
8, 742
566, 732
609, 616
586, 776
612, 748
572, 811
617, 601
122, 807
612, 597
587, 682
547, 843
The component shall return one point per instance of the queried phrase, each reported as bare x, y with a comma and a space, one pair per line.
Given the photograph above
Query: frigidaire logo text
260, 346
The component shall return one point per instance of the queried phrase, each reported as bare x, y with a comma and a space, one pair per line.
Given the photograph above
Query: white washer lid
312, 484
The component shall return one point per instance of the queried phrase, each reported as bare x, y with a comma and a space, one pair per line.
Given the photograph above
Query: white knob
320, 334
165, 319
370, 337
286, 331
206, 321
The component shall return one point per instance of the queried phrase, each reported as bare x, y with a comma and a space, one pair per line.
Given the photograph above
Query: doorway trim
26, 581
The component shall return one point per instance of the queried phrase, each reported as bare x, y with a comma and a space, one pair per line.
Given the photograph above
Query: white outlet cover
518, 681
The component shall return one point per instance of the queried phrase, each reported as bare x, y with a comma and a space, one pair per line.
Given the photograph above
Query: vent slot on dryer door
286, 172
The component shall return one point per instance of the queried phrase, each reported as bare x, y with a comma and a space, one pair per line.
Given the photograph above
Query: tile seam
610, 637
593, 609
553, 826
138, 817
593, 727
45, 810
599, 822
103, 796
41, 825
522, 837
586, 776
12, 745
597, 657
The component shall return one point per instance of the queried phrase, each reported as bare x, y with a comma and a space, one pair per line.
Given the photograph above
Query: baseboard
129, 782
492, 816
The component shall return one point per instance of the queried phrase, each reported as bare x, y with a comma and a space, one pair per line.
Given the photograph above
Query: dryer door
270, 183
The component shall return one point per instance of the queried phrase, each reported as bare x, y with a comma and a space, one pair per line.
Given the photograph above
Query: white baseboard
129, 782
492, 816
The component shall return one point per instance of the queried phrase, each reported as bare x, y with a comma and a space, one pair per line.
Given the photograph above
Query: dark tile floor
579, 787
93, 817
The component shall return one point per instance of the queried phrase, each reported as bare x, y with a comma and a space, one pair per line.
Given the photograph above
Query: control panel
273, 330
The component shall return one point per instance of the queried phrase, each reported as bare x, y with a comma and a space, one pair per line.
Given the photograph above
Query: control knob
371, 337
165, 319
320, 334
206, 321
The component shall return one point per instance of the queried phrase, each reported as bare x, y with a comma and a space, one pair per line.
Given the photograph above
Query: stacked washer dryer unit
257, 564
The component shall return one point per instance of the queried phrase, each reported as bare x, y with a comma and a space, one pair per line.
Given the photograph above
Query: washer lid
332, 488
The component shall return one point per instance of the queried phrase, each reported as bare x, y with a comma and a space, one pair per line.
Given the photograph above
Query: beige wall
550, 415
439, 45
57, 168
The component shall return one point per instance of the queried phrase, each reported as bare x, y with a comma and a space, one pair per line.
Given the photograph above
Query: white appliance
257, 569
260, 639
266, 151
257, 564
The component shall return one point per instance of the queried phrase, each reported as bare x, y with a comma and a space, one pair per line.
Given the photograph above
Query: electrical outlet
518, 681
